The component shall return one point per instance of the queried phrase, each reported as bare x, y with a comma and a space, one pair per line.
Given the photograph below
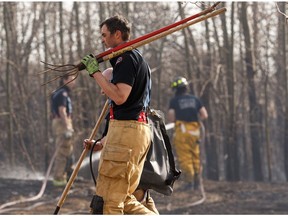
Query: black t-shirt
61, 98
130, 68
186, 107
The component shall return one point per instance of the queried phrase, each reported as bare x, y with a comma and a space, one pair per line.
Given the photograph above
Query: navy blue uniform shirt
186, 107
61, 98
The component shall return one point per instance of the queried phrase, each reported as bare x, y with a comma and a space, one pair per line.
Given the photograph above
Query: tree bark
9, 10
45, 93
282, 69
231, 148
254, 108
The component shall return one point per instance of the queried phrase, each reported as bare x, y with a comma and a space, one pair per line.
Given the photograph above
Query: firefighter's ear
118, 34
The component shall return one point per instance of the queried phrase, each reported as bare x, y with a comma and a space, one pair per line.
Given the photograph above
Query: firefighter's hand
91, 64
68, 133
89, 143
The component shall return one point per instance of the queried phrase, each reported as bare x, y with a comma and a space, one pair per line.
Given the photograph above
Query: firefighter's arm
171, 115
63, 115
203, 113
116, 92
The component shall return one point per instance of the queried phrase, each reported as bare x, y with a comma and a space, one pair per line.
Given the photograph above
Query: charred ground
221, 198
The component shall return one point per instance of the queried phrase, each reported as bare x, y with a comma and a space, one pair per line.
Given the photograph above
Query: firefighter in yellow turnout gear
185, 110
129, 136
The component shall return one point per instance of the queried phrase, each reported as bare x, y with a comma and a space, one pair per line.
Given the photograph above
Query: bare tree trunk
255, 111
231, 148
266, 117
244, 131
78, 26
282, 69
61, 33
266, 162
125, 8
46, 114
207, 73
193, 61
187, 51
11, 40
84, 123
88, 33
71, 41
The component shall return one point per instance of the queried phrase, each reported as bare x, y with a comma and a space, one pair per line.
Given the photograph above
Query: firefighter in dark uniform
185, 110
62, 129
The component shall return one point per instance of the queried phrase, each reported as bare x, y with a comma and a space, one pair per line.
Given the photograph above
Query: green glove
91, 64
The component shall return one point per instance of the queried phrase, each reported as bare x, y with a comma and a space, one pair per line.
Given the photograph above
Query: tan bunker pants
65, 150
120, 167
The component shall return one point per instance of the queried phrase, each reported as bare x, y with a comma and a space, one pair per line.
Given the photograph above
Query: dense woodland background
236, 63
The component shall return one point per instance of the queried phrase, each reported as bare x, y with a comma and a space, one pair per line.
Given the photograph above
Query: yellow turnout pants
120, 167
186, 142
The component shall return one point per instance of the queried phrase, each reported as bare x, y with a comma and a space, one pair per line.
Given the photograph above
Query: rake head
60, 71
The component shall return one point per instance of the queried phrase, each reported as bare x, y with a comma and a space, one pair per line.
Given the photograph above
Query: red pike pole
160, 35
151, 34
100, 56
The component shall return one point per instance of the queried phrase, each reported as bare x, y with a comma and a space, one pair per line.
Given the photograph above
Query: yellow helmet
179, 82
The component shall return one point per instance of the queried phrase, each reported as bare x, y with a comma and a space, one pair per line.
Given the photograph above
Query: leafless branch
278, 9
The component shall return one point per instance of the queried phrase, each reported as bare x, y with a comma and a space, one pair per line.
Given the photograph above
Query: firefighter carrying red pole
90, 66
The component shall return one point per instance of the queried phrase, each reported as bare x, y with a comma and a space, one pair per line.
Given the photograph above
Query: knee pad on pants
97, 205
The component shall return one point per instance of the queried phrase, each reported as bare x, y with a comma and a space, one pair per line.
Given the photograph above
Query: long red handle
163, 34
151, 34
100, 57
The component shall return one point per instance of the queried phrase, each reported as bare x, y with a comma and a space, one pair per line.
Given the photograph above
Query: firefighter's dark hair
118, 22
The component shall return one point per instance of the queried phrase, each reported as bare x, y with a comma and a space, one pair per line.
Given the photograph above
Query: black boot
96, 205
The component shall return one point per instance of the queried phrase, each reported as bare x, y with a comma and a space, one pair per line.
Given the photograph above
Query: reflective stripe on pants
186, 142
